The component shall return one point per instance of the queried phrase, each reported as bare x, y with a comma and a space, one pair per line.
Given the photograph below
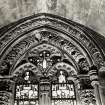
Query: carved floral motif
73, 31
87, 97
48, 41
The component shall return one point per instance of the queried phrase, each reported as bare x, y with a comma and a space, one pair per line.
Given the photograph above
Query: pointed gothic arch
46, 44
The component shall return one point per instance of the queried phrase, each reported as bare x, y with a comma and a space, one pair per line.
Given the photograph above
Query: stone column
94, 78
77, 91
102, 94
95, 85
102, 84
77, 86
44, 91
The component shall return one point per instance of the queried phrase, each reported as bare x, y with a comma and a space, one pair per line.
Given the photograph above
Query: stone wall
87, 12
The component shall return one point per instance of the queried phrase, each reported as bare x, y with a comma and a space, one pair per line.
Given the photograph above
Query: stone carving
83, 65
5, 98
73, 31
87, 97
51, 4
63, 66
4, 68
45, 45
42, 59
48, 41
6, 92
26, 67
7, 85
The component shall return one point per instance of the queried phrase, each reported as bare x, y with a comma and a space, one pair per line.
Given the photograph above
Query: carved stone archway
46, 44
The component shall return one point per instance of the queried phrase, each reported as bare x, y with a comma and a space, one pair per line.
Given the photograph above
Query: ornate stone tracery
18, 50
44, 20
45, 45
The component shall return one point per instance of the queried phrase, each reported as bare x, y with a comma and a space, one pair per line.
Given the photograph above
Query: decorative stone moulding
67, 36
6, 92
87, 97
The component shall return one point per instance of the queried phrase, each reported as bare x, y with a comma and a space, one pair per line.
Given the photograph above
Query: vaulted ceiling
87, 12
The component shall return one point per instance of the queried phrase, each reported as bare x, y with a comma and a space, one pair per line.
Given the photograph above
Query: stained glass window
26, 91
63, 91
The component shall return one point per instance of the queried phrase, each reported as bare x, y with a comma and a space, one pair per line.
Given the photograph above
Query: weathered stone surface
87, 12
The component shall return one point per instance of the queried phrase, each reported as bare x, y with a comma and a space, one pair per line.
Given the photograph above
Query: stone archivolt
18, 49
50, 22
46, 44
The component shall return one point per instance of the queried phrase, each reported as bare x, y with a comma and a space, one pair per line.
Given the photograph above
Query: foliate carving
20, 48
73, 31
4, 68
87, 97
26, 67
85, 83
5, 98
6, 85
44, 47
63, 66
43, 59
48, 42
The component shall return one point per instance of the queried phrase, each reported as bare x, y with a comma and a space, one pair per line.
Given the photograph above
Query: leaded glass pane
34, 102
26, 91
64, 102
63, 92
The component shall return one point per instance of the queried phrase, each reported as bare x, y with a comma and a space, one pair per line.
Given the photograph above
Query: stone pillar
102, 94
77, 91
102, 84
77, 86
95, 85
44, 91
94, 78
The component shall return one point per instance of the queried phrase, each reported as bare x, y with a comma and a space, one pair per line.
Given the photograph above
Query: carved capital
93, 73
